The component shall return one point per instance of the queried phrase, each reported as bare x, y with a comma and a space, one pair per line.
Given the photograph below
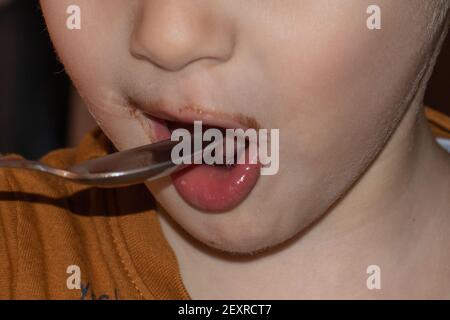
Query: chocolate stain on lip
158, 108
246, 121
141, 117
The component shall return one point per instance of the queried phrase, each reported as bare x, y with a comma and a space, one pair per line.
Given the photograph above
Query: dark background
35, 91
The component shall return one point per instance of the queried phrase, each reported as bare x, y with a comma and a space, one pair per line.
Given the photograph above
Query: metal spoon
133, 166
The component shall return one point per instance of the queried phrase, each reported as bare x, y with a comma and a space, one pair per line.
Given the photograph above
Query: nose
173, 34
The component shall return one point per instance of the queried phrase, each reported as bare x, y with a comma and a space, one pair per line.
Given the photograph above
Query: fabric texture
112, 235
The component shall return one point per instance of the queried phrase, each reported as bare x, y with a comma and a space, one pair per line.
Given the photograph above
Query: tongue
214, 188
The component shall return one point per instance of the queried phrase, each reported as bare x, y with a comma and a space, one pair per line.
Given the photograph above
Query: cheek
340, 87
339, 81
90, 54
92, 58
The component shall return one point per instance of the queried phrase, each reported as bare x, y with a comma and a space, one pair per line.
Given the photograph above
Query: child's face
310, 68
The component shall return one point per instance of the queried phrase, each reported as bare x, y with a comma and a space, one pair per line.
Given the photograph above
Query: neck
393, 217
394, 187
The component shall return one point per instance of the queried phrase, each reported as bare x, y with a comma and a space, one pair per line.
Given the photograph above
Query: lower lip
211, 188
216, 189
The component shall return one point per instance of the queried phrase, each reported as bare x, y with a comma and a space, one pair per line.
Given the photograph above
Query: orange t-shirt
48, 225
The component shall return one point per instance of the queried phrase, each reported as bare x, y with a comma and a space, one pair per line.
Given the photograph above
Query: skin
361, 179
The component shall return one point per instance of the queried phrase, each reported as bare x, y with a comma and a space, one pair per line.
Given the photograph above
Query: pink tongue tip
215, 189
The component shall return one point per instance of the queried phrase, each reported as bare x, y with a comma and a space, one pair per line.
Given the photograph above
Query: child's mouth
211, 188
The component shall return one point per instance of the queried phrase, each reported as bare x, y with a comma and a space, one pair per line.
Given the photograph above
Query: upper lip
190, 113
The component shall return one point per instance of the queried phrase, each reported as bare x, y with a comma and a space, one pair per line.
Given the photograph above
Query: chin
240, 231
226, 237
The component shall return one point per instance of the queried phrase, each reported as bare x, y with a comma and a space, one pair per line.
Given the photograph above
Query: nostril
173, 35
172, 55
164, 54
